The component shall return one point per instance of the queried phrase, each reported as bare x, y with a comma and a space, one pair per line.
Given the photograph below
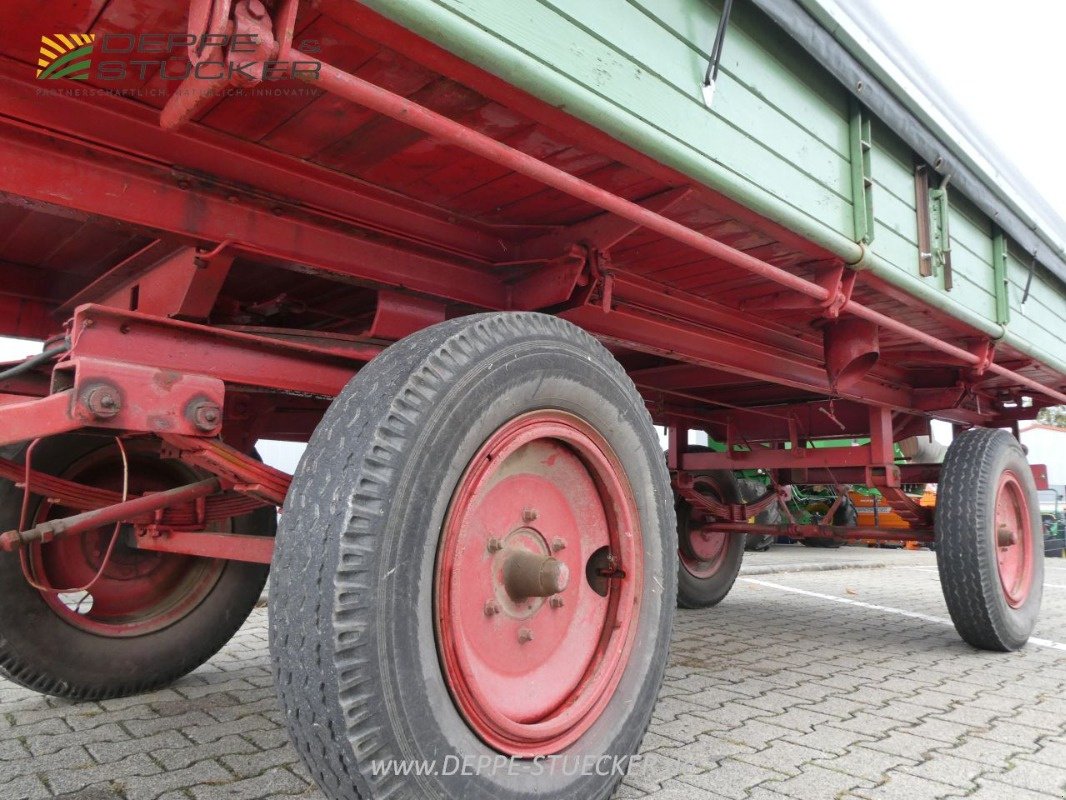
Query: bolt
1005, 537
558, 544
494, 545
525, 635
529, 515
492, 608
103, 402
556, 602
206, 415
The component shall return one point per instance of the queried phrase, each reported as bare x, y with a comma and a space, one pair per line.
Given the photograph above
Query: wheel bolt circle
525, 635
494, 545
558, 544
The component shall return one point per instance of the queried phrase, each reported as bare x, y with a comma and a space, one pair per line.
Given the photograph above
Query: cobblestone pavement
807, 685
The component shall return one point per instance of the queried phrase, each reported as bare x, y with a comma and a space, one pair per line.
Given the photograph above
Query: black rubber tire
846, 515
966, 549
40, 651
752, 489
697, 592
351, 593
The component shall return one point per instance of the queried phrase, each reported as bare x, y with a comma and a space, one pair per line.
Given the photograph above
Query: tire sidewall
1015, 623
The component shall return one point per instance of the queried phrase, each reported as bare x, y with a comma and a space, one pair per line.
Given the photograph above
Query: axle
798, 531
87, 520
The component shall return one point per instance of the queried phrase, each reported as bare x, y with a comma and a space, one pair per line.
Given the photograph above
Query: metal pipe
374, 97
52, 529
390, 104
799, 531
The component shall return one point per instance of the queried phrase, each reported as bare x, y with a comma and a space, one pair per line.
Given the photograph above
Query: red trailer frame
231, 279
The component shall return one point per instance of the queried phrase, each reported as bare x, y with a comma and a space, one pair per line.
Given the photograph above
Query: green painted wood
1002, 287
780, 138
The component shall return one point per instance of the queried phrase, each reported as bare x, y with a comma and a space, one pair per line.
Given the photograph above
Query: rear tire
364, 626
98, 654
707, 566
989, 542
847, 516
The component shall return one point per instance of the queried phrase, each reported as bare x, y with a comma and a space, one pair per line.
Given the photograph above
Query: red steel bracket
231, 546
100, 393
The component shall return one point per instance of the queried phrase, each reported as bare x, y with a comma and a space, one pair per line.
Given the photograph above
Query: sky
1002, 64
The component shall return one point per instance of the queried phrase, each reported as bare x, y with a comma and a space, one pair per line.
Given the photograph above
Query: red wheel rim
1014, 541
702, 553
531, 674
140, 591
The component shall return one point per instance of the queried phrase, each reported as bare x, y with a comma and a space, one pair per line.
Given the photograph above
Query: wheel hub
530, 650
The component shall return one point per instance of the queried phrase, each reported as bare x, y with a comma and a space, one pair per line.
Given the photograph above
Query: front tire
989, 542
150, 619
392, 636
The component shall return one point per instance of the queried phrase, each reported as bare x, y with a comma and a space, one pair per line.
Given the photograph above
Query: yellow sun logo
65, 55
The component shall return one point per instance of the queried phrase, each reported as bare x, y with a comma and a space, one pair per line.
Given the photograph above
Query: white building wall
1048, 446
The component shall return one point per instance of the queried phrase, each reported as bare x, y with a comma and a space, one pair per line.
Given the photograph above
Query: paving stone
816, 781
960, 772
733, 779
902, 786
771, 696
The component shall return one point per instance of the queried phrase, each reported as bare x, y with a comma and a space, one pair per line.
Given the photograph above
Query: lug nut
529, 515
494, 545
558, 544
492, 608
525, 635
556, 602
206, 416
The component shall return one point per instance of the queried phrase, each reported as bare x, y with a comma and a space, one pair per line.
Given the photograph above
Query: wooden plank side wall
779, 125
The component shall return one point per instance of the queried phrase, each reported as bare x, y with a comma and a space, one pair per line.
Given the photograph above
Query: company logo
65, 55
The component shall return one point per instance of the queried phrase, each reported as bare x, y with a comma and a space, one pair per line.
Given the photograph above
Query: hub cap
1013, 539
538, 584
139, 591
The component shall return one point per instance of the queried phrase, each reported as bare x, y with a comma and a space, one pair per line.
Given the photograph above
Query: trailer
472, 252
